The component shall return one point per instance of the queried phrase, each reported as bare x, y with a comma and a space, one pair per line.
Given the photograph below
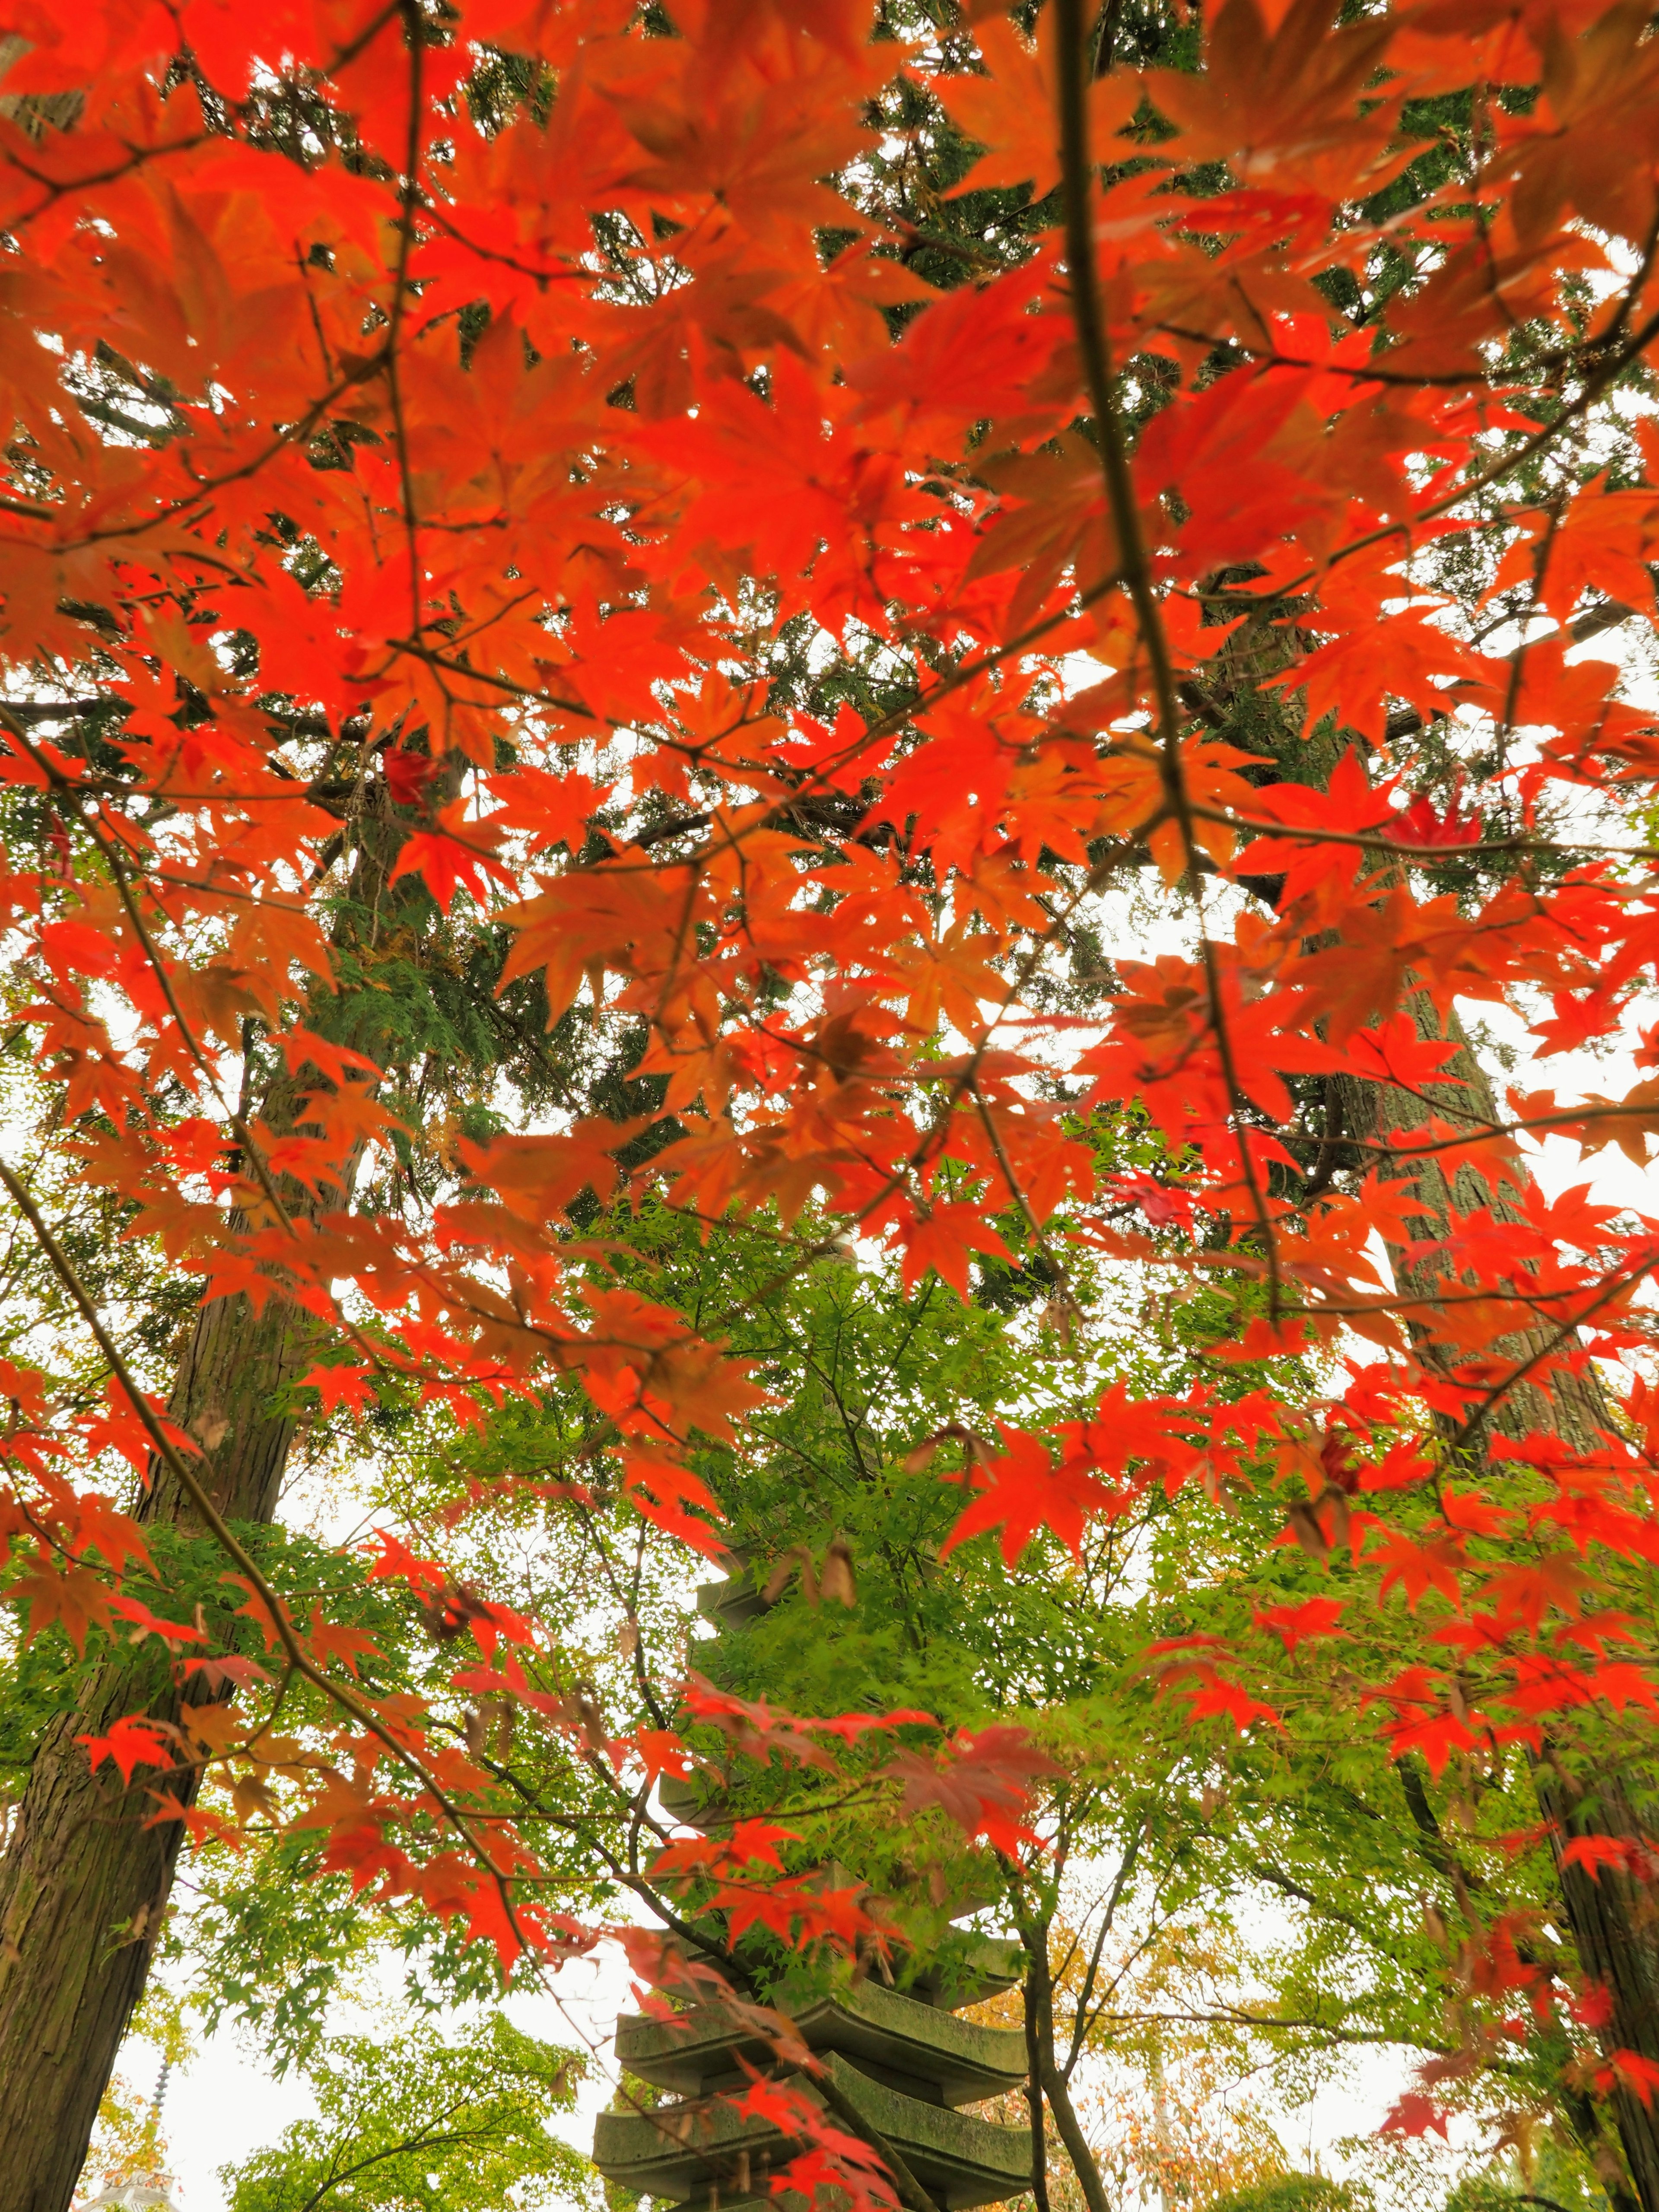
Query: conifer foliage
444, 423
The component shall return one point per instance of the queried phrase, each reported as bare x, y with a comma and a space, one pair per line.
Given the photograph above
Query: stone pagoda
902, 2059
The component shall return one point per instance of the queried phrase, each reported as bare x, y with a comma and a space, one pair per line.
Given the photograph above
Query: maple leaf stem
415, 33
835, 763
55, 187
1455, 380
1541, 440
1379, 841
296, 433
1039, 1237
543, 274
1094, 343
434, 658
299, 1661
1095, 346
346, 54
910, 2190
1540, 562
221, 890
1568, 1118
244, 1135
1617, 1286
629, 1606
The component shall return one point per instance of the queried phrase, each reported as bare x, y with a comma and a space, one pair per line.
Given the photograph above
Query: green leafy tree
1293, 2192
413, 2123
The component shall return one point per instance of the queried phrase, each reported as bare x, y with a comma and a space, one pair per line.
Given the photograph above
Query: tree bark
1033, 2095
1048, 2075
1614, 1921
1615, 1931
86, 1878
1614, 1917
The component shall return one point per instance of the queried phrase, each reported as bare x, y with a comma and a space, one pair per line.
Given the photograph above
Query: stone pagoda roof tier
703, 2153
929, 2053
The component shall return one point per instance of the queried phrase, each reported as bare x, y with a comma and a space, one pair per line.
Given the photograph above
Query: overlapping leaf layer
432, 429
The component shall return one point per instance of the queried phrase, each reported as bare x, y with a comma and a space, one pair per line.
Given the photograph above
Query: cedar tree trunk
85, 1878
1614, 1919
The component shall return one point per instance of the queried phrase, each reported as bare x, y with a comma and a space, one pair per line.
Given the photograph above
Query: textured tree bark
1615, 1921
1614, 1918
85, 1880
1616, 1931
1034, 2096
1047, 2075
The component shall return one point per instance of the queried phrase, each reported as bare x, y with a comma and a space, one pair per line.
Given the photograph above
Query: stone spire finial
137, 2192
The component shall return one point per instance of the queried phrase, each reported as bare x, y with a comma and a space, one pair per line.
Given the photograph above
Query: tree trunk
1034, 2091
1614, 1917
1616, 1932
85, 1878
1049, 2077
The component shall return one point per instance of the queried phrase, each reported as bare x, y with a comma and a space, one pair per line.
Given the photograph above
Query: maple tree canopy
418, 487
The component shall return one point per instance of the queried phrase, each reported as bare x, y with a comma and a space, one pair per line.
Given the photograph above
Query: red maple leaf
1414, 2114
133, 1741
1022, 1490
1293, 1624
